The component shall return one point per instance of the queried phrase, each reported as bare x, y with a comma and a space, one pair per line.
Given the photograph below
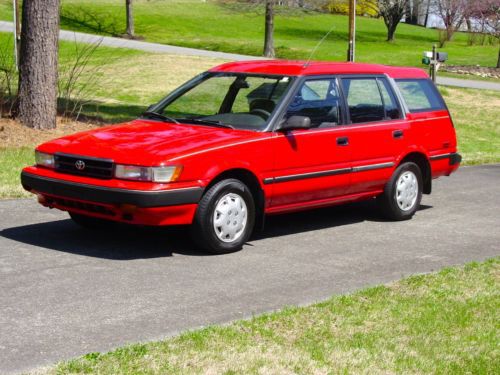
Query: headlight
44, 160
155, 174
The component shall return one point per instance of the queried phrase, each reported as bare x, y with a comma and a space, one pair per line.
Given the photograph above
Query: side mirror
296, 122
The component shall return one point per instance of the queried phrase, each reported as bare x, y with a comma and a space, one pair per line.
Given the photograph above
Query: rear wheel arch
425, 167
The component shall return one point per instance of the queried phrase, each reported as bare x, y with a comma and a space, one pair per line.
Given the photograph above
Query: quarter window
370, 99
420, 95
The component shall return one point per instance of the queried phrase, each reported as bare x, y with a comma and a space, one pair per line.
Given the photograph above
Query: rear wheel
225, 217
403, 193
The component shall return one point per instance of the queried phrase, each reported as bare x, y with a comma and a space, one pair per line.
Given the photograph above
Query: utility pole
17, 31
352, 31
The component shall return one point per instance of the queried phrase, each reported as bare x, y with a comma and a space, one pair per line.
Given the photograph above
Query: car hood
146, 142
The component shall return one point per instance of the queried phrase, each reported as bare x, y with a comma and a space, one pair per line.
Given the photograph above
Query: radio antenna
317, 45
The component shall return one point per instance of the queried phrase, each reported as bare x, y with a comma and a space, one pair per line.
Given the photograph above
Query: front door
311, 165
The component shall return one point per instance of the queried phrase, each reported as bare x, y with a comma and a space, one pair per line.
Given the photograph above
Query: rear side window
369, 99
420, 95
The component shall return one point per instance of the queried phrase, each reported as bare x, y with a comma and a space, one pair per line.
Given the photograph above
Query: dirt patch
480, 71
13, 134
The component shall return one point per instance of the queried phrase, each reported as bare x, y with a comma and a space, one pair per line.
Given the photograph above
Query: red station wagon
249, 139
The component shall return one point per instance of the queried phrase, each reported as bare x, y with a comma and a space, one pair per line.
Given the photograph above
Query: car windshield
234, 100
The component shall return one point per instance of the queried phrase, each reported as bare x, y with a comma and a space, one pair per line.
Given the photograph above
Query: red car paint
273, 158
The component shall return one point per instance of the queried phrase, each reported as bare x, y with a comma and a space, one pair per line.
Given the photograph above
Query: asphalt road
108, 41
65, 291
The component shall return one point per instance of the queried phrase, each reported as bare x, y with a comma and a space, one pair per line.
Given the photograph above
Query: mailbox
442, 56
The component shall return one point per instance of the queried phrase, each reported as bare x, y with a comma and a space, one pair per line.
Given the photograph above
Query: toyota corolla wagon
256, 138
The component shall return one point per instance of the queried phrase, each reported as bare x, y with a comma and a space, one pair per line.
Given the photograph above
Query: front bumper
101, 194
144, 207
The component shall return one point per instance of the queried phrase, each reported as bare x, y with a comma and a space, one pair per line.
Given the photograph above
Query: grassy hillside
240, 29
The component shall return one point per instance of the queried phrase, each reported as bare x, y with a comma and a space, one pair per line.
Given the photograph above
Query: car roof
303, 68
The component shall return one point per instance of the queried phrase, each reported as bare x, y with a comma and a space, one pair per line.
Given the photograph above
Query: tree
452, 13
392, 11
363, 7
269, 29
130, 18
38, 64
488, 12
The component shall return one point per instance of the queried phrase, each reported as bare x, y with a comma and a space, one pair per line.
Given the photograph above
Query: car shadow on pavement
120, 242
322, 218
117, 242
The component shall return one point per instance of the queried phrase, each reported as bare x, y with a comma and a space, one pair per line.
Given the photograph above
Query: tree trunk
415, 11
269, 30
449, 33
411, 12
38, 64
469, 24
391, 30
498, 60
427, 11
130, 19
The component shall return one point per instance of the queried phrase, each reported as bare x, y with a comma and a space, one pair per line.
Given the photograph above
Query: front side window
319, 100
235, 100
370, 99
420, 95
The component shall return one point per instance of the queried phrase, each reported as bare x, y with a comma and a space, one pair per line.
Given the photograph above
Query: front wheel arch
249, 179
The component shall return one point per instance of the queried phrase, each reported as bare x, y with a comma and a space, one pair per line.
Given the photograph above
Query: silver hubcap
407, 190
230, 217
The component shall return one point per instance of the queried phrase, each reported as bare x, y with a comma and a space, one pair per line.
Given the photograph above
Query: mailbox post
434, 60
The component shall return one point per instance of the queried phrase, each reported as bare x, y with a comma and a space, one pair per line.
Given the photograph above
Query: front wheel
403, 193
225, 217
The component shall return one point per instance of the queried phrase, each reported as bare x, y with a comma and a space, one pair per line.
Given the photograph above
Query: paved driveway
65, 291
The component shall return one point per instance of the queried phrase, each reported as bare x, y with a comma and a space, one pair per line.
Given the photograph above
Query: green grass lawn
240, 29
444, 323
125, 81
475, 114
12, 160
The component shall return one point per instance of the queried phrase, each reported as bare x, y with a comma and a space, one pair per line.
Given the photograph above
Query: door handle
397, 134
343, 141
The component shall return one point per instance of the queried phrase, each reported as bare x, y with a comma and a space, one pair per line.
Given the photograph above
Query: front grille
91, 167
83, 206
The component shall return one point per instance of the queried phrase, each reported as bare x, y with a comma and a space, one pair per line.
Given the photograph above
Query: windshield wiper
206, 122
159, 116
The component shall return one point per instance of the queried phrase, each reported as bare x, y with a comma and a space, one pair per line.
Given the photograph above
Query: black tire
388, 200
203, 231
90, 222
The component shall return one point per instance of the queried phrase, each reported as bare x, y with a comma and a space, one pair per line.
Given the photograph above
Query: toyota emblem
80, 165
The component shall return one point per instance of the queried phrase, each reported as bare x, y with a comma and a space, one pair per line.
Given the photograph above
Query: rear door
378, 131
